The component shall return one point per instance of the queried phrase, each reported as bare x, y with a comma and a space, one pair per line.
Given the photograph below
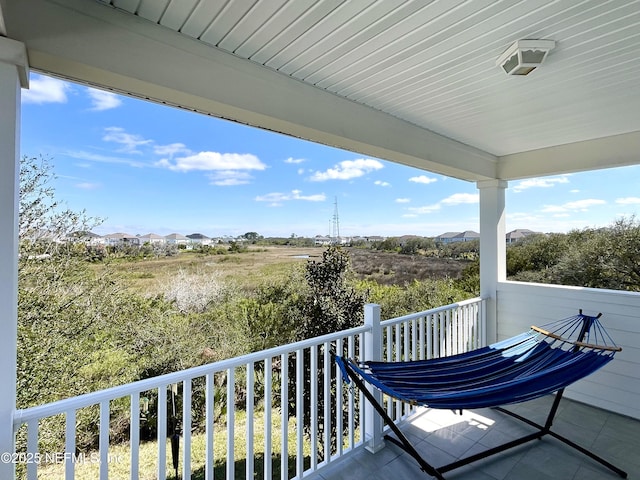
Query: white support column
374, 425
13, 75
493, 262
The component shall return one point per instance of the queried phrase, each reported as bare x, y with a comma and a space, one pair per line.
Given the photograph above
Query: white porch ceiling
410, 81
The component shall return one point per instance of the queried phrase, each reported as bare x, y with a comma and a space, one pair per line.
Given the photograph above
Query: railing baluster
186, 428
134, 436
449, 332
398, 345
299, 412
162, 432
351, 354
250, 420
439, 345
339, 403
406, 348
405, 408
284, 408
414, 339
388, 357
314, 409
209, 425
429, 335
455, 331
268, 432
70, 445
422, 340
231, 410
469, 333
32, 448
327, 403
104, 440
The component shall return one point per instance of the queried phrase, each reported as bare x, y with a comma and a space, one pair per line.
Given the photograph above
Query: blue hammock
527, 366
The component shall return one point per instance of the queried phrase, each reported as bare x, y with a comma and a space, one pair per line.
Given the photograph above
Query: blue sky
147, 168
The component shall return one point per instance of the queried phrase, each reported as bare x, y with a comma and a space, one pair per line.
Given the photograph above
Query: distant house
452, 237
519, 234
321, 240
121, 239
199, 239
176, 239
152, 239
446, 237
467, 236
87, 237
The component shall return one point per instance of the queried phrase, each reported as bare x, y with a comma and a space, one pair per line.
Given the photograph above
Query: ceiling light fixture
524, 56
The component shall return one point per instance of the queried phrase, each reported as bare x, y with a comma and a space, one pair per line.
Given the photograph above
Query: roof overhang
95, 44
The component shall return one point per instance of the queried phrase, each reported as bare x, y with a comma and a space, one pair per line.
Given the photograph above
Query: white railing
439, 332
292, 396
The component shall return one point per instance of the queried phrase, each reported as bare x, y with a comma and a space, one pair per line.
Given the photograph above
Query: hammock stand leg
546, 430
402, 441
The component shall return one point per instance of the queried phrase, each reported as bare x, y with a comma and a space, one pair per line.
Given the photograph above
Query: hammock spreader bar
522, 368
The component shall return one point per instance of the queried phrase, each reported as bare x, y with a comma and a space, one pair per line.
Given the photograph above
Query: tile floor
442, 437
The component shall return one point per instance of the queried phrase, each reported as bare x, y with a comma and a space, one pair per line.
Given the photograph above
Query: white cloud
94, 157
224, 169
423, 179
540, 183
294, 160
403, 200
380, 183
348, 169
276, 198
577, 206
455, 199
229, 178
45, 90
461, 198
628, 201
207, 161
129, 142
102, 100
171, 150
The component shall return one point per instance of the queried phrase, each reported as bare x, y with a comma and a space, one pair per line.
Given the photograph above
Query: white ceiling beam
608, 152
95, 44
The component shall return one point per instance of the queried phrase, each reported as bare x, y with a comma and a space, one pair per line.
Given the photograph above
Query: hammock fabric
527, 366
521, 368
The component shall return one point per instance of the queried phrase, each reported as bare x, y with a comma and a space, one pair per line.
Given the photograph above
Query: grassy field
246, 269
259, 263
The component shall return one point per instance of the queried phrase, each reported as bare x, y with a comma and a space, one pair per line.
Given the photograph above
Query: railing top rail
411, 316
93, 398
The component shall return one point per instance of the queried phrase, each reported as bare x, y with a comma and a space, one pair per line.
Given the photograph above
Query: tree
330, 304
252, 236
602, 258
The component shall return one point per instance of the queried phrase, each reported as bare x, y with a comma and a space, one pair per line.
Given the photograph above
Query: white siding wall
616, 386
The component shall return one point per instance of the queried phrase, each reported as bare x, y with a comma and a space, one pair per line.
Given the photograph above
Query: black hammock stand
536, 363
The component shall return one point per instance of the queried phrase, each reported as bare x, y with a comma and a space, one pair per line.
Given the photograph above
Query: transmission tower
335, 234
